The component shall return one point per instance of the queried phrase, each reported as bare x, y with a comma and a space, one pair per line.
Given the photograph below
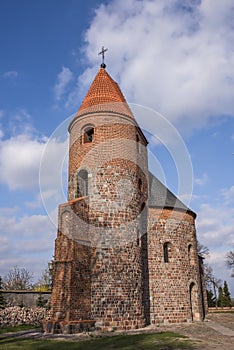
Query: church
126, 248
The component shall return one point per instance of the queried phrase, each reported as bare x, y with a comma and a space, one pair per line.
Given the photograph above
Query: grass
158, 341
23, 327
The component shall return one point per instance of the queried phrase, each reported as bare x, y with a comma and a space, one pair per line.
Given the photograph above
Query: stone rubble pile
15, 315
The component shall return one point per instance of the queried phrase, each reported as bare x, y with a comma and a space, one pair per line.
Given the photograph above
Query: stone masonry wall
70, 299
175, 289
26, 298
99, 264
117, 287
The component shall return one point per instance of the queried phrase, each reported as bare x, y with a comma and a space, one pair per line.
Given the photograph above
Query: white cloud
28, 240
25, 227
34, 202
25, 241
25, 160
4, 245
34, 226
202, 180
8, 211
175, 59
215, 230
18, 122
53, 171
63, 79
11, 74
228, 195
215, 225
24, 153
19, 161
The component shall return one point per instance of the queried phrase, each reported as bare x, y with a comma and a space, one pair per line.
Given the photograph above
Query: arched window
88, 134
166, 251
82, 183
190, 254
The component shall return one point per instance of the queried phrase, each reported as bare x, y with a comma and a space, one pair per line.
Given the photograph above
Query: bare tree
45, 281
17, 279
202, 250
229, 260
211, 281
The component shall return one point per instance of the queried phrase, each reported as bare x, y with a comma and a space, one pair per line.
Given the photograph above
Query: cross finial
102, 52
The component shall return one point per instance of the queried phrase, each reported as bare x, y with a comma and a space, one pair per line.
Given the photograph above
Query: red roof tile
104, 94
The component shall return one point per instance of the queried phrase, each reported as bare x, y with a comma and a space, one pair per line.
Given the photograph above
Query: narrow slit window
138, 143
166, 252
138, 237
140, 186
190, 254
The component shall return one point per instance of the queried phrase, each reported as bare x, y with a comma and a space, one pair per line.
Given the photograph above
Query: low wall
220, 309
26, 298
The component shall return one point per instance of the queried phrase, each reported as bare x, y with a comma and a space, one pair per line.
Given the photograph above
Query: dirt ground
205, 337
202, 335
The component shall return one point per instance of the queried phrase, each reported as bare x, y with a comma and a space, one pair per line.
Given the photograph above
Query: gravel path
216, 333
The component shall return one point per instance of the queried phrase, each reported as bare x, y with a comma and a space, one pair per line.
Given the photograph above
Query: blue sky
172, 59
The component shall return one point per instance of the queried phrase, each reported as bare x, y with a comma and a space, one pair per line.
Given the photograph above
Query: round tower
105, 217
108, 169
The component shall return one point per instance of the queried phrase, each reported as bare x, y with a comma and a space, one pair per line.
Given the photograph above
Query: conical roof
104, 95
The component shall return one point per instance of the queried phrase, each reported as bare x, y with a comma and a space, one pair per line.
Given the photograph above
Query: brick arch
193, 289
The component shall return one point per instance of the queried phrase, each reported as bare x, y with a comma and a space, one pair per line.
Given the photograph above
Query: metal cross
103, 56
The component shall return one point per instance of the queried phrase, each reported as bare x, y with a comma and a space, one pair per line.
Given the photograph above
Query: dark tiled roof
160, 196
